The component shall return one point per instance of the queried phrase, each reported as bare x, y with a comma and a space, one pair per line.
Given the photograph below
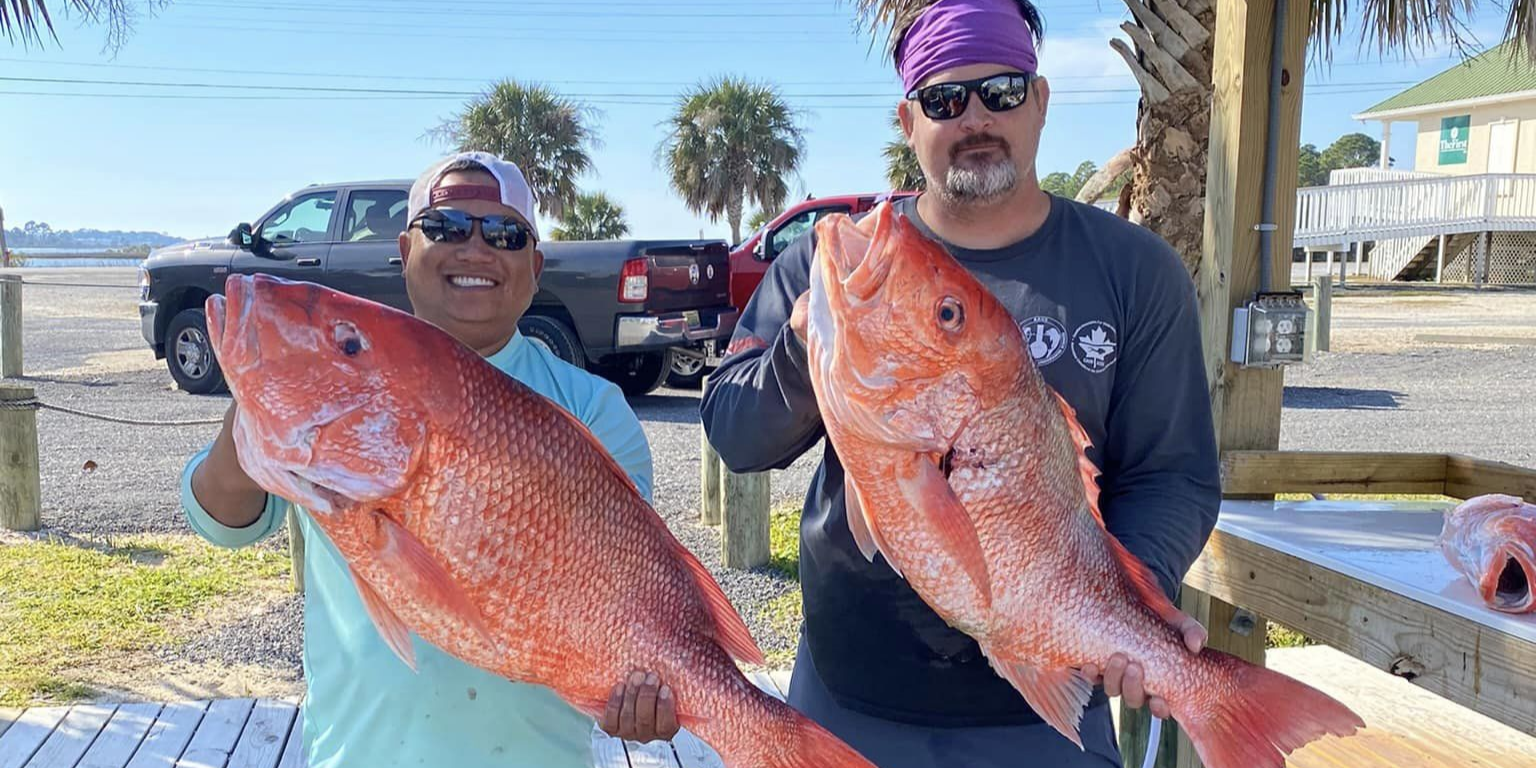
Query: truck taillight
635, 281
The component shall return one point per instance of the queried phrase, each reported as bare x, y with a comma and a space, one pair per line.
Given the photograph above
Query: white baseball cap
514, 190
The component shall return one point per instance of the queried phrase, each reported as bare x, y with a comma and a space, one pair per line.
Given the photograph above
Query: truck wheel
638, 374
687, 371
555, 336
189, 355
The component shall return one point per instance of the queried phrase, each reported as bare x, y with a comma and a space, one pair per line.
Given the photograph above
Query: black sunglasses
947, 101
448, 225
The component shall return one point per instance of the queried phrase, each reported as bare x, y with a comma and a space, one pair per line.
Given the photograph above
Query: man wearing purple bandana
1109, 315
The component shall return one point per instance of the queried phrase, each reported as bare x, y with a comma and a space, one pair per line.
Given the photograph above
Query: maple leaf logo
1097, 345
1096, 338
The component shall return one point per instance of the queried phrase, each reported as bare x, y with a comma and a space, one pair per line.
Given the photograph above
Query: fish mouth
1513, 590
860, 257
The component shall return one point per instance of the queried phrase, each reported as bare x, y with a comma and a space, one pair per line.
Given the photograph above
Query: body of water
87, 261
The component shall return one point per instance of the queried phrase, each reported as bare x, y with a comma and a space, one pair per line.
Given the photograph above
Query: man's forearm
760, 412
223, 488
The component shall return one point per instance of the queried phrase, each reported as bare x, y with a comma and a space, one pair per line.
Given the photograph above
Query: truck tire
556, 336
638, 374
189, 355
687, 372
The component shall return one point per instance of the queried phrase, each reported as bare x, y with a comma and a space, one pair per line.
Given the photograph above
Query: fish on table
1491, 540
485, 519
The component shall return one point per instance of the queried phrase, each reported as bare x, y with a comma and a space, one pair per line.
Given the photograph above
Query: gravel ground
1383, 388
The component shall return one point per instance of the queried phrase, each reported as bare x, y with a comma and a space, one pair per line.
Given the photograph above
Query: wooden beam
1246, 402
1473, 665
1466, 477
1251, 473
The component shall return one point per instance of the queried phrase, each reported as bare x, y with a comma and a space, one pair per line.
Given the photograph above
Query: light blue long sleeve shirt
363, 706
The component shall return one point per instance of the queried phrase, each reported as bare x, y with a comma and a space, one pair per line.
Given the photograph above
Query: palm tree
901, 167
546, 134
730, 142
760, 218
20, 18
1174, 48
593, 217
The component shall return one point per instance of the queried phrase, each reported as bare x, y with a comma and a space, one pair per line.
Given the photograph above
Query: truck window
800, 224
305, 219
374, 214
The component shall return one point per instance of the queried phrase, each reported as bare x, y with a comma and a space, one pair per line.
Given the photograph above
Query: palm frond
28, 19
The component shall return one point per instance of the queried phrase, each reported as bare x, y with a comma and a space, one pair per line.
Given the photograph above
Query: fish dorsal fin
1141, 577
729, 629
1084, 464
602, 451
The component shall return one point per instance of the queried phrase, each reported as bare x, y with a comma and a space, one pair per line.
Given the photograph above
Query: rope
32, 404
78, 285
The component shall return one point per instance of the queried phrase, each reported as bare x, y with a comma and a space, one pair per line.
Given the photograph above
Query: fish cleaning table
1368, 578
245, 733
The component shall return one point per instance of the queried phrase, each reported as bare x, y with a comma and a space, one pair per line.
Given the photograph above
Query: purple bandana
954, 33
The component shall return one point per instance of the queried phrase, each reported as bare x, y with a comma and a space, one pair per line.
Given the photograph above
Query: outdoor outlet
1270, 331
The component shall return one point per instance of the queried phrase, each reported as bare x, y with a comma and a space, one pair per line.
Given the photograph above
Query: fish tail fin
1267, 716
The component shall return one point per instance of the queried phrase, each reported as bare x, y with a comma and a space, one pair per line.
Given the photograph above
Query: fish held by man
968, 474
483, 518
1491, 540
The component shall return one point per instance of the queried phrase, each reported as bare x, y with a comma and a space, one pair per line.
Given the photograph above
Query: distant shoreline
86, 254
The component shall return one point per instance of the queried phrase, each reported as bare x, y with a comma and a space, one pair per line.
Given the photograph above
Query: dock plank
72, 737
27, 734
121, 737
8, 716
293, 752
217, 734
266, 733
607, 751
168, 737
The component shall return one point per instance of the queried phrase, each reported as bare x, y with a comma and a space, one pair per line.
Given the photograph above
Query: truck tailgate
688, 276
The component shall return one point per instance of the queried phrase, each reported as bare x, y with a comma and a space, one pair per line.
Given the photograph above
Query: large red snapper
968, 473
477, 514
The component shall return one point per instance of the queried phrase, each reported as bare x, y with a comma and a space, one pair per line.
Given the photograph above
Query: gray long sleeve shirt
1110, 317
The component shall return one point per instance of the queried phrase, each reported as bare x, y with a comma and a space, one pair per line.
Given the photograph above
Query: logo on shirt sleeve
1096, 345
1045, 337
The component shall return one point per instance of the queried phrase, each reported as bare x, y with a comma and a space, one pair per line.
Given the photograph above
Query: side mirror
241, 237
764, 248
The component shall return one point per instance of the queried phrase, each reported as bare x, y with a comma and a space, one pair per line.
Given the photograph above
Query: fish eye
348, 340
951, 314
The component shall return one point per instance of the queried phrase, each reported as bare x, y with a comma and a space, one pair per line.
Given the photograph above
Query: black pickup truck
618, 308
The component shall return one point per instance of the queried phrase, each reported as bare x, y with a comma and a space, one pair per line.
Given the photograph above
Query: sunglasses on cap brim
446, 225
999, 93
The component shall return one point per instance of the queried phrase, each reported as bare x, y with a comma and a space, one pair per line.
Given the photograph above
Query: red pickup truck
749, 261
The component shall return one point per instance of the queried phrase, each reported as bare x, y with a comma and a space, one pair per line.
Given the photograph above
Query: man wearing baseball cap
1108, 314
471, 265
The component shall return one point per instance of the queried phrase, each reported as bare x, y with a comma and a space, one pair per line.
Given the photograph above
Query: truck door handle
307, 262
396, 261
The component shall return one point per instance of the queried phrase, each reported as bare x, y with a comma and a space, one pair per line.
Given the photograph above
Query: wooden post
21, 496
1322, 314
296, 550
1359, 257
5, 255
1245, 403
10, 326
710, 470
744, 520
1440, 259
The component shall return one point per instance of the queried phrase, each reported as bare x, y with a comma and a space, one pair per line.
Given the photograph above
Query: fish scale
481, 517
970, 476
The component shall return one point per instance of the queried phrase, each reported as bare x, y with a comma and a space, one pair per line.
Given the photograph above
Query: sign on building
1454, 132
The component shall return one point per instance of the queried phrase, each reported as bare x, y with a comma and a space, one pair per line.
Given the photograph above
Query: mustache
977, 141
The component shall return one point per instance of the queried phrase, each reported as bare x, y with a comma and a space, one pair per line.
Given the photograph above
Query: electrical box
1270, 331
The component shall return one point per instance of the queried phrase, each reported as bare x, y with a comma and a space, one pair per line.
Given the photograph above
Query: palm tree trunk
1175, 42
733, 211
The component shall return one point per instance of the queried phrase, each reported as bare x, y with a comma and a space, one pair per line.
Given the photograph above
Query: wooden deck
245, 733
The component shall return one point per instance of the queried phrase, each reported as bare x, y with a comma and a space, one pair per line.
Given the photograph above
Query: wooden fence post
21, 497
5, 255
744, 520
1320, 322
710, 470
10, 326
296, 550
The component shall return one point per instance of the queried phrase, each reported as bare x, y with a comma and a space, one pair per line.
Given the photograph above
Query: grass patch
64, 605
782, 614
784, 541
1367, 497
1277, 636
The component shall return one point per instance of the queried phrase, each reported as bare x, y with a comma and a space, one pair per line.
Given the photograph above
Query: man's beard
987, 183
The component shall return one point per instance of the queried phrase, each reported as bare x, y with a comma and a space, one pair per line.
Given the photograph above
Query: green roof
1499, 70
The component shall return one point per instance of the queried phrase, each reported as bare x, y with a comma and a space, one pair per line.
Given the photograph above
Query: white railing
1415, 207
1367, 175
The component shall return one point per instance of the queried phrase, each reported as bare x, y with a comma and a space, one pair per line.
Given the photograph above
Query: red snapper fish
967, 472
487, 520
1491, 540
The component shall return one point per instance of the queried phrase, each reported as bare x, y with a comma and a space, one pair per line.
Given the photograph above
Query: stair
1422, 265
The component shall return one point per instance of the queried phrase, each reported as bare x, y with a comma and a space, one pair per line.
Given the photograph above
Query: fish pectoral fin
1057, 695
395, 635
400, 551
928, 491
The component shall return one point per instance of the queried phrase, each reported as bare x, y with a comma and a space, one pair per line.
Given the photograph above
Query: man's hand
641, 709
1124, 678
799, 316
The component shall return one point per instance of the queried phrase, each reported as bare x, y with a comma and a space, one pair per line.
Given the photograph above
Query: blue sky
110, 156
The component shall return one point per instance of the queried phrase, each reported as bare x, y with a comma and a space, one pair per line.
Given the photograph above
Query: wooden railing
1415, 207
